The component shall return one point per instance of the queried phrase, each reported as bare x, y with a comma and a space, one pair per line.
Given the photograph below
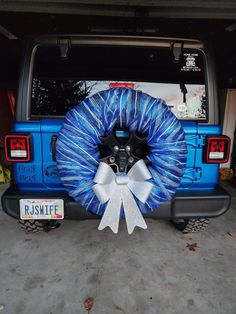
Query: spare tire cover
78, 140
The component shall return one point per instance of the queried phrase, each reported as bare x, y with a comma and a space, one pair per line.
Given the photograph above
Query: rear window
58, 84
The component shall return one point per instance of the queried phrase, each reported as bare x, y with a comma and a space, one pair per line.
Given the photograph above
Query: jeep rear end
59, 72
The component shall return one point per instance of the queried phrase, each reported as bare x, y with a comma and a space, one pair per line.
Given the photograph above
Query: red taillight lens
17, 148
217, 149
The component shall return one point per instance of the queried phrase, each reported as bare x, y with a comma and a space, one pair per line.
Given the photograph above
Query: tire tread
192, 225
32, 226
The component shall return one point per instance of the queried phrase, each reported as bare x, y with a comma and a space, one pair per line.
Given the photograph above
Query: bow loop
104, 174
141, 189
118, 190
139, 172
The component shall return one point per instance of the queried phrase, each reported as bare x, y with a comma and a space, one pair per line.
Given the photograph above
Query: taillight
17, 148
217, 149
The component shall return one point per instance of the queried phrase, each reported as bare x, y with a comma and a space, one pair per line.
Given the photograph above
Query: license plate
41, 209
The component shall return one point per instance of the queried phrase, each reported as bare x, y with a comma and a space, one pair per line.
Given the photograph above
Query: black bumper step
185, 204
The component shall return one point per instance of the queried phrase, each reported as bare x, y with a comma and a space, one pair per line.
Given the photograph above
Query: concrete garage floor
149, 272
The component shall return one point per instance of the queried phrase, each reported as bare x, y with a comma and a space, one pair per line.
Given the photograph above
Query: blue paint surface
41, 173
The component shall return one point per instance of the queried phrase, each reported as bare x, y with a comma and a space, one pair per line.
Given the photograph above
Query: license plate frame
53, 211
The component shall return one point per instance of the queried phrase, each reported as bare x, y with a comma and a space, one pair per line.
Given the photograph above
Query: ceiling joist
128, 8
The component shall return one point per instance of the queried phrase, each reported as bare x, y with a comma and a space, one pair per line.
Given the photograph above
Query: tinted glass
58, 85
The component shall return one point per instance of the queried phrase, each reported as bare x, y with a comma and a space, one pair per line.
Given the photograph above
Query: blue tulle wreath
79, 138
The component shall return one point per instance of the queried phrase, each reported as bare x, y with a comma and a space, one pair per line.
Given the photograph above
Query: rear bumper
185, 204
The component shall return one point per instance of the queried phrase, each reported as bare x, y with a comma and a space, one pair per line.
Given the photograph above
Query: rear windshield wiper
184, 91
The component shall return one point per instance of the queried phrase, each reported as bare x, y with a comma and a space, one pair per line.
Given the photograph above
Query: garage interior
144, 273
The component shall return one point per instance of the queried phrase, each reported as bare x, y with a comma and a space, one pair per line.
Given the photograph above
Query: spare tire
78, 154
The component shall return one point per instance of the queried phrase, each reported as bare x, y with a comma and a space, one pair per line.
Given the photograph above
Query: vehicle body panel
39, 177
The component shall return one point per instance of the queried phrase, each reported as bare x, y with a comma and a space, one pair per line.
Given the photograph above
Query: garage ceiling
131, 8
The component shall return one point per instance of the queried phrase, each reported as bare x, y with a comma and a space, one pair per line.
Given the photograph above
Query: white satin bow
117, 189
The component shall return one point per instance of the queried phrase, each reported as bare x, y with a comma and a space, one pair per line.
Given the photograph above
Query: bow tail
111, 216
133, 215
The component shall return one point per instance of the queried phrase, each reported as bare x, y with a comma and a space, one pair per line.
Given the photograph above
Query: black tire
35, 226
191, 225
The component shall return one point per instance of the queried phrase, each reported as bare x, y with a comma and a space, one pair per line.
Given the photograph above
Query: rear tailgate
50, 129
41, 172
199, 175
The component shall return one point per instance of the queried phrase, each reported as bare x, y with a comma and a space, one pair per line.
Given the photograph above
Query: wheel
191, 225
119, 127
34, 226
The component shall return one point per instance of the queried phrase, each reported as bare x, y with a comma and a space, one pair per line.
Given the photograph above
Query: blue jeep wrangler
58, 72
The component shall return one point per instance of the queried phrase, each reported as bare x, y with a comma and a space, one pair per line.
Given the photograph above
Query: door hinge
200, 141
64, 46
177, 49
197, 174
